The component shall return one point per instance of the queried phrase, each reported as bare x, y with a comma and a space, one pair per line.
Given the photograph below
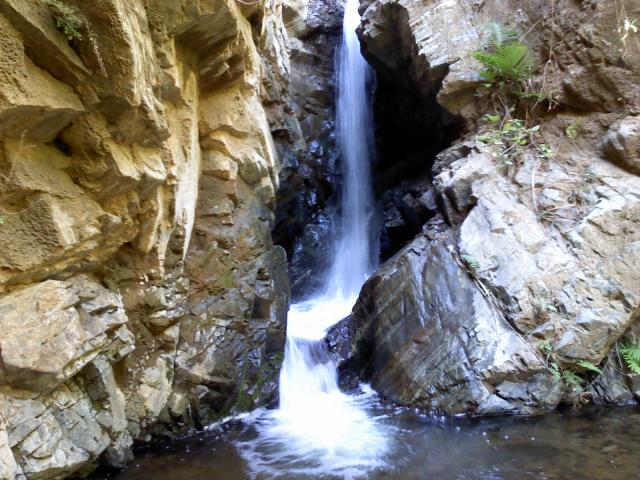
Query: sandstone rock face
51, 330
141, 292
540, 247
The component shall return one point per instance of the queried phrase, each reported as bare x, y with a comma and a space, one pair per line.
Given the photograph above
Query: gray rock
51, 330
622, 143
433, 340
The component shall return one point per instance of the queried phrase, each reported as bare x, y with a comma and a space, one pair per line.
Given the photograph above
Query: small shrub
512, 138
68, 19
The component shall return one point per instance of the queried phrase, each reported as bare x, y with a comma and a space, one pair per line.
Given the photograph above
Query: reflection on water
594, 444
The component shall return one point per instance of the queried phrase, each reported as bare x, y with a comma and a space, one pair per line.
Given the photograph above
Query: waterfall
354, 256
305, 375
317, 429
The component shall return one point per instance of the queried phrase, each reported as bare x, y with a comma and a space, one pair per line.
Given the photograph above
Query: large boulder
436, 341
547, 228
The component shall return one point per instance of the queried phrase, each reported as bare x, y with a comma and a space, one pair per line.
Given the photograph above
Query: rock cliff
142, 294
159, 161
526, 277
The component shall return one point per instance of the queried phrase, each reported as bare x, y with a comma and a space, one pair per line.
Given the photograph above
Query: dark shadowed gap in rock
61, 145
411, 129
305, 198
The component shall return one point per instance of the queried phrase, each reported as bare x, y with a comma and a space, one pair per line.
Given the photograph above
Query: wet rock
311, 257
406, 209
339, 340
549, 241
307, 176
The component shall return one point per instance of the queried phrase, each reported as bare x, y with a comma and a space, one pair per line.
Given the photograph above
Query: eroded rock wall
141, 291
539, 247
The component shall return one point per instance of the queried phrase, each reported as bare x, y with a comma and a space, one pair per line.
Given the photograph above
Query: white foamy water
317, 429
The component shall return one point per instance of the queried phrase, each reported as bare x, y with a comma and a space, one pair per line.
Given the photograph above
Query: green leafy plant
511, 138
630, 352
573, 380
504, 57
68, 19
511, 62
569, 377
572, 130
545, 347
496, 34
589, 366
470, 261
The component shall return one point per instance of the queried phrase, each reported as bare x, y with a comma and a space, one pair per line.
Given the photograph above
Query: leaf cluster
512, 138
509, 63
566, 375
631, 354
504, 57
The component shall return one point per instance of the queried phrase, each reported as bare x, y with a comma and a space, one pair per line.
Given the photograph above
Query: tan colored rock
55, 435
53, 329
142, 155
34, 104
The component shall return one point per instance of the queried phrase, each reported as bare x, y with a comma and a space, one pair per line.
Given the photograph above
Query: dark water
592, 444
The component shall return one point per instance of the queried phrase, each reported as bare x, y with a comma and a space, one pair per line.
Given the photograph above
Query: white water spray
318, 430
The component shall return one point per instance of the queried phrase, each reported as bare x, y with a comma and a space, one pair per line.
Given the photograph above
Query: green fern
631, 354
509, 62
589, 366
496, 35
555, 371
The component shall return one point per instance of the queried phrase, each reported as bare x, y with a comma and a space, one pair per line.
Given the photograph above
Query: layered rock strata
533, 280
